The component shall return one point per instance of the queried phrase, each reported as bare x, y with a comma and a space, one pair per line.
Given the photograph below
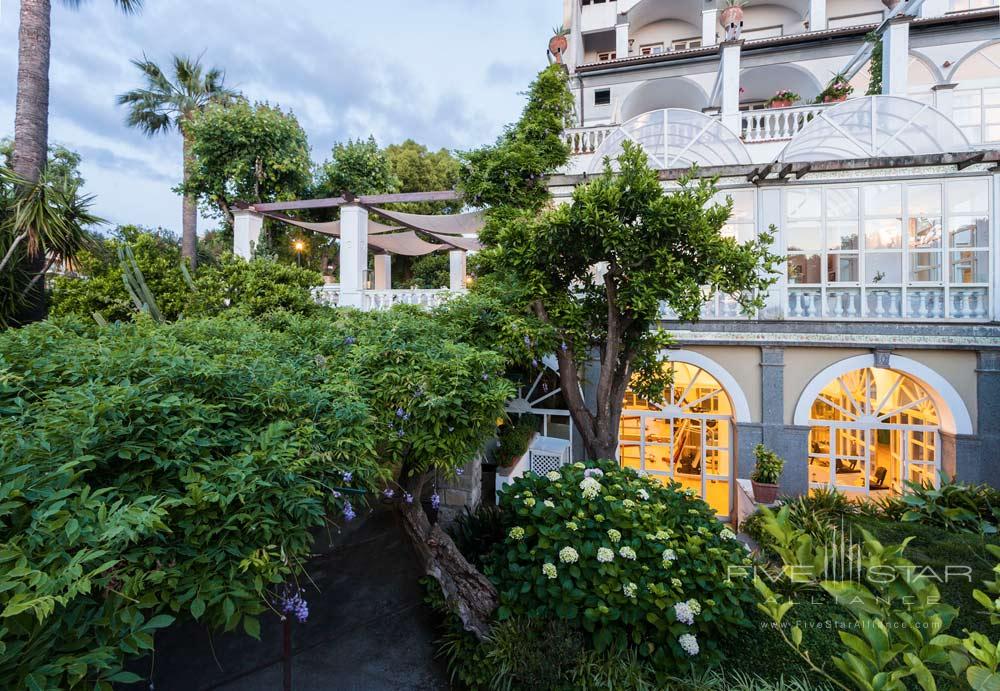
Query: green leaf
252, 627
197, 607
982, 679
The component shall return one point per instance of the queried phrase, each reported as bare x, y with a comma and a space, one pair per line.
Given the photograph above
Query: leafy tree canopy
63, 163
357, 166
244, 152
420, 170
595, 273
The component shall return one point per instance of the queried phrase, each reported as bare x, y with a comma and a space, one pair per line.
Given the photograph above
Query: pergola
406, 234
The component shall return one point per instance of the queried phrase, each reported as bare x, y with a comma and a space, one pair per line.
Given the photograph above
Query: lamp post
299, 246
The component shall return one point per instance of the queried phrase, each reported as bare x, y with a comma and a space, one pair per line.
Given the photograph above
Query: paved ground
367, 631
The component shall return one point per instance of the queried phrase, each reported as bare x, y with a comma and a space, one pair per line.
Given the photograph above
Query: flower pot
784, 103
764, 493
834, 99
730, 16
558, 46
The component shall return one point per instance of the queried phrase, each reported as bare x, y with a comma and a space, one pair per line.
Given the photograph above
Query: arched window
977, 96
674, 138
685, 438
873, 430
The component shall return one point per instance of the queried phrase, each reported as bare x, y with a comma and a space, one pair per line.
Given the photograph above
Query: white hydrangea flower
642, 494
683, 613
689, 643
627, 553
628, 503
591, 487
548, 503
605, 555
571, 525
669, 555
593, 472
694, 605
662, 534
553, 476
727, 534
630, 589
517, 533
676, 582
549, 570
529, 502
614, 535
568, 555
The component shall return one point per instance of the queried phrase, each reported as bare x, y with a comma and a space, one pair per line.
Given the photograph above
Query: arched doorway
873, 430
687, 437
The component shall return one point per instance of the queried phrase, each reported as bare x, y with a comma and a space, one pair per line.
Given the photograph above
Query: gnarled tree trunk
189, 235
466, 590
31, 124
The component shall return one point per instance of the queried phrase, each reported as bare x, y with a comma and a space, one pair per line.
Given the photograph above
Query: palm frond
126, 6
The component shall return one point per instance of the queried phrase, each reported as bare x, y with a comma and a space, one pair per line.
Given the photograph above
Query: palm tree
31, 118
162, 105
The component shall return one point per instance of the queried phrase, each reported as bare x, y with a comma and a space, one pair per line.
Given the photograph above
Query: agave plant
47, 218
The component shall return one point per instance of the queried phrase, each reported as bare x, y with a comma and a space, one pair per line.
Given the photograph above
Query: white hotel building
877, 359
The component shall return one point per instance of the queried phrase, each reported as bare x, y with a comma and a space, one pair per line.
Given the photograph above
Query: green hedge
156, 471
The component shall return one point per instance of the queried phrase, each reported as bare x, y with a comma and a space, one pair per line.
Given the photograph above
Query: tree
31, 117
62, 163
252, 153
420, 170
596, 273
161, 105
358, 167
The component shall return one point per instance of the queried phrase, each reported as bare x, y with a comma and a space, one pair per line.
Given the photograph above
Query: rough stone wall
464, 490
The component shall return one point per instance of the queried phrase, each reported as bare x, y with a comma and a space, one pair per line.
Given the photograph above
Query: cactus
135, 284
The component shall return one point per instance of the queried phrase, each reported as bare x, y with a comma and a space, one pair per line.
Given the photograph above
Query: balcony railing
586, 140
775, 124
380, 300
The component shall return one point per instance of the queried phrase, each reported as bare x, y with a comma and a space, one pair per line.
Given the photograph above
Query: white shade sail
674, 138
873, 127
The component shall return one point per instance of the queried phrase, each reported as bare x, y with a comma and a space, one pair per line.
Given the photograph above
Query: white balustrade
379, 300
586, 140
777, 123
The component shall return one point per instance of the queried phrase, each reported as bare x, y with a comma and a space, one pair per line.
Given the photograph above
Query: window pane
924, 200
884, 268
804, 268
883, 234
925, 232
803, 203
968, 196
968, 231
883, 200
804, 235
842, 268
925, 266
842, 235
842, 202
969, 267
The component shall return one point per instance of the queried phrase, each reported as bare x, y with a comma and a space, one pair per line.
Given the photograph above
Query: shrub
253, 288
635, 562
513, 436
477, 532
769, 466
955, 506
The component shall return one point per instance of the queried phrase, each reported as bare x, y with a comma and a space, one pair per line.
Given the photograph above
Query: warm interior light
299, 245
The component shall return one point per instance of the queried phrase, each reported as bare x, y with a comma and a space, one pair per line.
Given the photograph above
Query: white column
621, 39
383, 272
934, 8
353, 254
246, 232
817, 15
456, 269
944, 99
709, 26
896, 56
730, 93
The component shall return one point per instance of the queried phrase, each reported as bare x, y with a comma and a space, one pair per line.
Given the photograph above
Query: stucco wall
743, 364
664, 31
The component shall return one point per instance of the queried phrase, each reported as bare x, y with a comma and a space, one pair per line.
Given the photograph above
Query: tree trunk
467, 591
189, 237
31, 124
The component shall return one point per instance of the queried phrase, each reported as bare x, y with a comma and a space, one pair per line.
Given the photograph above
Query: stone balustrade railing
773, 124
378, 300
586, 140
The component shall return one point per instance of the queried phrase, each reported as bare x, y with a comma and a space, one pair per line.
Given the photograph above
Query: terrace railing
775, 124
378, 300
586, 140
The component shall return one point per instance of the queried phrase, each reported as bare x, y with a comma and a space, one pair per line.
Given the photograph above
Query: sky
447, 73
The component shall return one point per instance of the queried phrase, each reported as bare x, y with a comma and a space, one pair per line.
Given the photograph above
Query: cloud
446, 73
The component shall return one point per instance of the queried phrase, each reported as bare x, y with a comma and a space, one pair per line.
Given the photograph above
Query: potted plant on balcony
559, 43
732, 12
782, 99
766, 475
837, 90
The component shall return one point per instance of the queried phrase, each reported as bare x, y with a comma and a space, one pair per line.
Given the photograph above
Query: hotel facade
877, 358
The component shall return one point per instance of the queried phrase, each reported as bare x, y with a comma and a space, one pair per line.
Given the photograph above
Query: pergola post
247, 227
896, 56
456, 265
383, 272
730, 93
709, 26
353, 255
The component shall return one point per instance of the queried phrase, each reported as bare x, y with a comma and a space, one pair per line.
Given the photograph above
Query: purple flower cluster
459, 471
350, 340
296, 605
435, 501
402, 414
388, 493
348, 476
408, 497
349, 514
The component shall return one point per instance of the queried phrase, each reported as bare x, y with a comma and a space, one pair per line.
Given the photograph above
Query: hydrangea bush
635, 562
